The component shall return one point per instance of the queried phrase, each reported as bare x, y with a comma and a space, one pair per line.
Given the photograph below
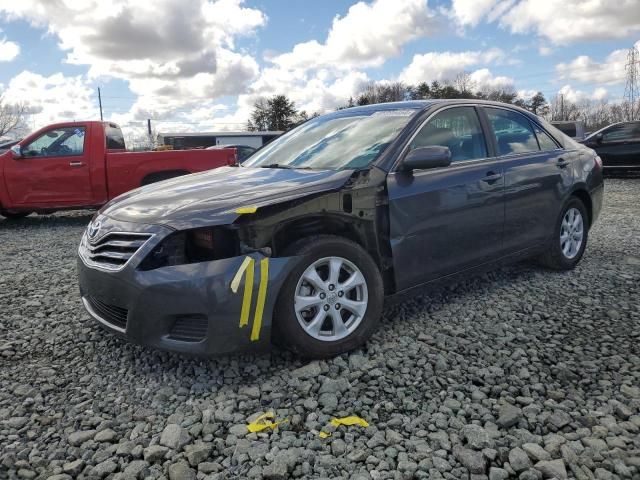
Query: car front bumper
188, 308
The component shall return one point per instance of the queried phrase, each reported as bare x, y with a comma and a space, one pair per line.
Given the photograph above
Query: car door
52, 171
538, 175
445, 220
619, 145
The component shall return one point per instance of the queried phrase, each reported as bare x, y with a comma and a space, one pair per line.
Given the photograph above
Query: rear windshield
115, 139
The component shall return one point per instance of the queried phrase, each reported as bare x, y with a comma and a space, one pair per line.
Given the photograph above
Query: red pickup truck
84, 165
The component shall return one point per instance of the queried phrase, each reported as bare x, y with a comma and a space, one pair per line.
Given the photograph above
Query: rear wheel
570, 237
331, 301
14, 216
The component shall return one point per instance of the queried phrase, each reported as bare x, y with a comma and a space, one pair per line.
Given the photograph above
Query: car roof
420, 105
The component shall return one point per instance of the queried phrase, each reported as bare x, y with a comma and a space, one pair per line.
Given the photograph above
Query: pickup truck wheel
331, 301
14, 216
569, 237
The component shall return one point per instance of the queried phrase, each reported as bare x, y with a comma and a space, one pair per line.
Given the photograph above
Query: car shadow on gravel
50, 221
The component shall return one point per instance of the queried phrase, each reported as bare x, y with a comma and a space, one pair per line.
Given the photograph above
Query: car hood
212, 198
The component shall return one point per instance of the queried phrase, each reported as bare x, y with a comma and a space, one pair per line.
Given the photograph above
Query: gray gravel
521, 373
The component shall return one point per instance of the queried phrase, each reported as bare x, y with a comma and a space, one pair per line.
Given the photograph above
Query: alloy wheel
331, 299
571, 233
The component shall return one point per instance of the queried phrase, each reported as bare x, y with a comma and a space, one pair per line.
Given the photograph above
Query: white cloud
561, 21
446, 65
8, 50
51, 99
545, 50
574, 95
173, 53
366, 36
483, 80
586, 70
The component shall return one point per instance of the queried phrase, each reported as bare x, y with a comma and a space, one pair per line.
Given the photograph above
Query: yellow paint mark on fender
262, 296
243, 210
235, 283
248, 292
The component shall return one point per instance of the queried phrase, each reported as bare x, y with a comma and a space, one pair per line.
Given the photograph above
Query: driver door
54, 170
445, 220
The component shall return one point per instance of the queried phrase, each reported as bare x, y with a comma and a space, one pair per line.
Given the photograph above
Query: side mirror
598, 138
427, 157
16, 151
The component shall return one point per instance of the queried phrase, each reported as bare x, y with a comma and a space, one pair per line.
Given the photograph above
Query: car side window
458, 129
619, 133
59, 142
546, 142
513, 132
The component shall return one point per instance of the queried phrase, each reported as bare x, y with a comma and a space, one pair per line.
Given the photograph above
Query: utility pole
100, 103
632, 88
150, 134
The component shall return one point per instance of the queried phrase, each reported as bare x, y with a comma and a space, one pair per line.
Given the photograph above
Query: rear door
445, 220
538, 175
53, 171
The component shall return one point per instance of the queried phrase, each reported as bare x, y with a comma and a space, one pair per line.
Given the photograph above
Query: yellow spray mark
235, 283
248, 292
263, 422
262, 296
242, 210
247, 271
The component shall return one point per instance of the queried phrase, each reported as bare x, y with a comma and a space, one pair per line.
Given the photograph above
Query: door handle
76, 164
492, 177
562, 162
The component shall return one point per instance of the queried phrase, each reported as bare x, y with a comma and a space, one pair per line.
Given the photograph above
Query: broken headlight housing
193, 246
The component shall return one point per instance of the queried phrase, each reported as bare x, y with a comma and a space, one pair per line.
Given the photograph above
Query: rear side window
115, 139
513, 132
545, 141
458, 129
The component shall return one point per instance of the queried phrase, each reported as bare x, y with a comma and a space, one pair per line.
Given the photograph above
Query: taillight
598, 161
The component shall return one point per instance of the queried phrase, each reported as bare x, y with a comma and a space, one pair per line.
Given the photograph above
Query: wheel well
310, 226
164, 175
585, 198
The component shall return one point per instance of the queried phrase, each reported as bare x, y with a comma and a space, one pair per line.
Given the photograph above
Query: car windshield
340, 141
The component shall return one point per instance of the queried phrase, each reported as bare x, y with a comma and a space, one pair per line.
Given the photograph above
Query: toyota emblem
93, 229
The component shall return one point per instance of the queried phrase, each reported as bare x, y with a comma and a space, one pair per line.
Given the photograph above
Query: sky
199, 65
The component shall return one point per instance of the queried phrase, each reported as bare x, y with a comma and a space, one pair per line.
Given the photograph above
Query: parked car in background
6, 145
84, 165
302, 242
618, 145
573, 129
242, 151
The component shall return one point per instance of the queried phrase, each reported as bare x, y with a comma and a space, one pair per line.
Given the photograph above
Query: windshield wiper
277, 165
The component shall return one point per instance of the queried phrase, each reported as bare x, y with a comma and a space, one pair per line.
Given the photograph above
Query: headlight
193, 246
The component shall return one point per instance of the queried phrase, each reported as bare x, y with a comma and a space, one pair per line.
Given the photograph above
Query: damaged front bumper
206, 308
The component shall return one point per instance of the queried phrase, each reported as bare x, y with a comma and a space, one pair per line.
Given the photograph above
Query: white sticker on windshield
393, 113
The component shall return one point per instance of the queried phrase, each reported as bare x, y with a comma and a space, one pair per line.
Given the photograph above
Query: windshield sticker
393, 113
79, 132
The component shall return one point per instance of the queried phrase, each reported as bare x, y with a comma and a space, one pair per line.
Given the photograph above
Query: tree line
280, 113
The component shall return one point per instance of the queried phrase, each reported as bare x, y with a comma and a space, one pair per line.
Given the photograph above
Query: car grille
189, 329
113, 250
116, 316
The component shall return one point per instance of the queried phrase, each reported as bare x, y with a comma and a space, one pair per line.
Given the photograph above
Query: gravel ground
521, 373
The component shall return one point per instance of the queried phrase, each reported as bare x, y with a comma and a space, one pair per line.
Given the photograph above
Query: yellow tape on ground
235, 283
349, 421
262, 296
248, 292
263, 422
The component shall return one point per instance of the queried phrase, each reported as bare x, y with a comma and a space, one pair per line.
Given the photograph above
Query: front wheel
569, 238
331, 302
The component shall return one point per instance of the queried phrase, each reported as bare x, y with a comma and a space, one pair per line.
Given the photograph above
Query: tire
14, 216
558, 256
337, 328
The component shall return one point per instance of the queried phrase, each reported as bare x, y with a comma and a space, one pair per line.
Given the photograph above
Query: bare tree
464, 84
12, 117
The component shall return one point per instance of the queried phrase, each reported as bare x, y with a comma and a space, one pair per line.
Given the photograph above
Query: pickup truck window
59, 142
115, 139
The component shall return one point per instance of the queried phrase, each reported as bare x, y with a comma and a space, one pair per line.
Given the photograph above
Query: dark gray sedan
301, 244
